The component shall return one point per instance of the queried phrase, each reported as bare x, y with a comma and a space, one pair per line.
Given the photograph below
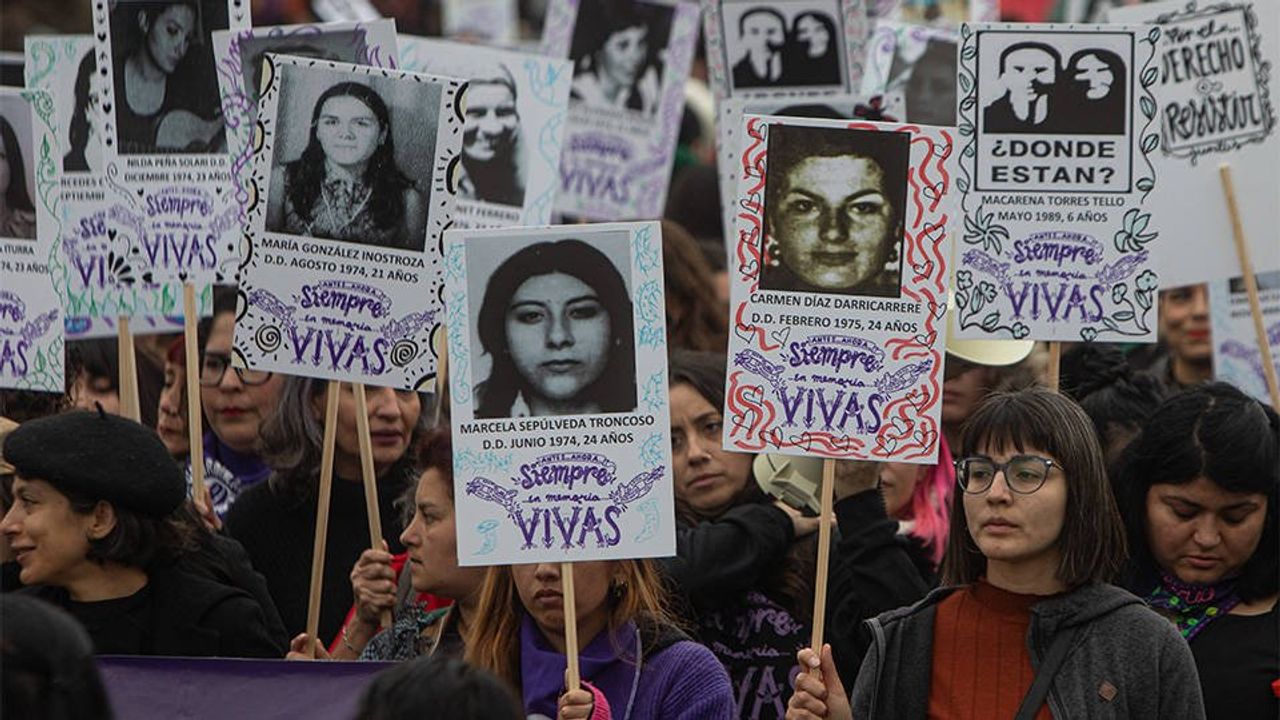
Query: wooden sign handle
574, 680
128, 361
1250, 285
369, 477
195, 431
824, 552
322, 515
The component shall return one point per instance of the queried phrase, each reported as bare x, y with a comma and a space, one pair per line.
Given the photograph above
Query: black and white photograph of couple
1053, 85
783, 45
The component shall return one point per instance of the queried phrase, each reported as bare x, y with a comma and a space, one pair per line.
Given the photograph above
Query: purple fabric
217, 688
542, 668
250, 469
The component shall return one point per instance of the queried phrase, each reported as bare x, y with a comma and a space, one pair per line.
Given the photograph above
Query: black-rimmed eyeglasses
1023, 474
214, 367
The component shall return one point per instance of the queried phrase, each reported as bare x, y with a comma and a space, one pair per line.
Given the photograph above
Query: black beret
100, 456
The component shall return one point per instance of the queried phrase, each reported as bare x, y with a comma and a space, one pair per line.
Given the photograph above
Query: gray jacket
1126, 661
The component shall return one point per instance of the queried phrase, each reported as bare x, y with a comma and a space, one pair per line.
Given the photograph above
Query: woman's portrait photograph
17, 209
352, 156
834, 205
492, 168
552, 325
617, 52
84, 124
166, 87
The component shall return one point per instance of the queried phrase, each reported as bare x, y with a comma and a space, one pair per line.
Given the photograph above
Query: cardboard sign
513, 133
31, 334
1056, 169
621, 136
101, 284
341, 277
912, 68
1236, 357
164, 137
558, 379
774, 49
1215, 103
838, 285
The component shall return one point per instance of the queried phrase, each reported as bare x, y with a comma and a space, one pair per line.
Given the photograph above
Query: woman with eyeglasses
1026, 624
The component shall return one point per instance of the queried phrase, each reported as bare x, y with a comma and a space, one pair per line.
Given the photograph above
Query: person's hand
373, 583
574, 704
298, 649
203, 503
801, 524
818, 697
855, 476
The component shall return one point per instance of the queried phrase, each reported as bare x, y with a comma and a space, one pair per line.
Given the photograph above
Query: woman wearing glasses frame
1026, 624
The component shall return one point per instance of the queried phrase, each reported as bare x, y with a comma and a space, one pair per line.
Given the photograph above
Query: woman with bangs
1026, 625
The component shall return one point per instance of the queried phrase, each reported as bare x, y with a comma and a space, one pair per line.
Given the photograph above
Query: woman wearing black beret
95, 528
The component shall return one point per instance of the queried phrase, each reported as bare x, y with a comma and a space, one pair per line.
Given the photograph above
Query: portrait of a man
762, 32
1029, 75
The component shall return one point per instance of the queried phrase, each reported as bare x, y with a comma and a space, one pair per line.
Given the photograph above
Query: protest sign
1055, 171
11, 69
31, 333
341, 275
170, 194
492, 21
558, 383
516, 105
240, 53
772, 49
1237, 359
838, 282
913, 69
938, 13
1214, 103
624, 112
100, 285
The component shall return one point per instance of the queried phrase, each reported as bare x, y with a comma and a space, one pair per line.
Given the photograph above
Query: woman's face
1013, 528
169, 36
235, 410
1200, 531
431, 541
1095, 72
707, 477
171, 422
1184, 322
964, 386
834, 223
491, 121
558, 333
392, 417
539, 590
49, 540
811, 31
623, 55
348, 131
88, 391
897, 484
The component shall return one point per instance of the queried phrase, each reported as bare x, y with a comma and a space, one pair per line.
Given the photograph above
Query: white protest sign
31, 334
937, 13
1236, 356
1215, 103
516, 108
913, 69
342, 272
838, 282
495, 21
624, 113
1056, 169
558, 379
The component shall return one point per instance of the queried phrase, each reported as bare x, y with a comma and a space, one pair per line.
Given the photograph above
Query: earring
618, 588
772, 253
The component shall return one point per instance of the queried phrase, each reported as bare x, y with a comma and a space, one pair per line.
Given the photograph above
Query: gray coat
1127, 661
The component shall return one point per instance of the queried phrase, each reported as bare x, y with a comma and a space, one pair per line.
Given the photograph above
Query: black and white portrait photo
165, 85
344, 46
617, 52
927, 81
83, 140
492, 168
835, 199
783, 45
17, 172
1045, 87
552, 325
352, 157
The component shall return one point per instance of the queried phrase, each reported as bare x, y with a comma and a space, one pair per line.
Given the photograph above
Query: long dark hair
598, 20
1218, 432
616, 386
127, 38
833, 35
1119, 73
304, 176
78, 129
16, 197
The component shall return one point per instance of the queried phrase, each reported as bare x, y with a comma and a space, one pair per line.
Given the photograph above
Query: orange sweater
981, 667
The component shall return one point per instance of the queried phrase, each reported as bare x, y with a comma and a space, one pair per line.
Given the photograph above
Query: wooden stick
128, 361
824, 552
322, 515
1055, 364
570, 625
442, 383
369, 478
1250, 285
195, 431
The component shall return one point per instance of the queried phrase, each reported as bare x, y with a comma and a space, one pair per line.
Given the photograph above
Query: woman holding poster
557, 321
635, 663
1200, 494
1035, 538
